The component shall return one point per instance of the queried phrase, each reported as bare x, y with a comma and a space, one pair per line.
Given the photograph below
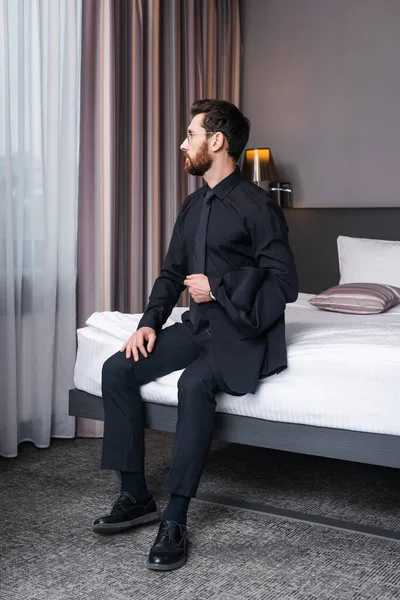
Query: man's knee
117, 368
195, 388
188, 382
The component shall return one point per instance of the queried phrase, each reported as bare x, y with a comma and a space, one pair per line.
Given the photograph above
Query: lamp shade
258, 165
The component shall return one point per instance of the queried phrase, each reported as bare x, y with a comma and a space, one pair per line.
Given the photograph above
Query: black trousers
176, 347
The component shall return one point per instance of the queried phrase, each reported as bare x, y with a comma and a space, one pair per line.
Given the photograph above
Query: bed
340, 397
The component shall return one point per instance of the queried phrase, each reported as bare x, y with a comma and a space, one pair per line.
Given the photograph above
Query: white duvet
344, 370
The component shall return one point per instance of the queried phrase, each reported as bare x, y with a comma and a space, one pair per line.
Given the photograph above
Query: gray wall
321, 85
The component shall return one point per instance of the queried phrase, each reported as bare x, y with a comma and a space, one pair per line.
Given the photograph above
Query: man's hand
198, 287
136, 342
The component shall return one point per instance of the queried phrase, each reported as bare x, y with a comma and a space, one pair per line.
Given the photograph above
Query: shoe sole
109, 528
171, 567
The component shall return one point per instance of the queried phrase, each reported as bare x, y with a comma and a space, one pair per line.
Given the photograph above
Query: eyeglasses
190, 135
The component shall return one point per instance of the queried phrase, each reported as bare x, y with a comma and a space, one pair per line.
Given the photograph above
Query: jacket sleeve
169, 284
255, 297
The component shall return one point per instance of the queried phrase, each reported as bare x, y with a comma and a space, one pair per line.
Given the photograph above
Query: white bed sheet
344, 370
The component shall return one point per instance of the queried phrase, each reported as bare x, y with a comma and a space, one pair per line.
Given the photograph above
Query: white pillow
368, 261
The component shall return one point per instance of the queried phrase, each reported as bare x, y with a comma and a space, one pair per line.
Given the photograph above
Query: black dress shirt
245, 229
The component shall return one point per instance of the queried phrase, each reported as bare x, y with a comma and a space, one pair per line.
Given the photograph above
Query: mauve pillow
358, 298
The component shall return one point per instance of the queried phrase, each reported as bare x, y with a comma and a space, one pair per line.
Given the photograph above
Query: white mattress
344, 370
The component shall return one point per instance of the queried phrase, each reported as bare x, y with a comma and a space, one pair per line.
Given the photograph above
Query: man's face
195, 148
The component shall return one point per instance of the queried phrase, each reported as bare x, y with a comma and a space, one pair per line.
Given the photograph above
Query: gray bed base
313, 234
372, 448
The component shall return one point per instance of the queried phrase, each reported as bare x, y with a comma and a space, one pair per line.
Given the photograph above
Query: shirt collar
222, 189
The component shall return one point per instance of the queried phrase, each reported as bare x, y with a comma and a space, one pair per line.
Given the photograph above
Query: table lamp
258, 165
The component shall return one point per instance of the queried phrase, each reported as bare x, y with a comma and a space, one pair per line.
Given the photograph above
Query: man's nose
184, 145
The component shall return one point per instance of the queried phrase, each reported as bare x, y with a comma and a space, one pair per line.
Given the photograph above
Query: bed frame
313, 234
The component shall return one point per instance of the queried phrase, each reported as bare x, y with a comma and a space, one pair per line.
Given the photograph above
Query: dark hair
223, 116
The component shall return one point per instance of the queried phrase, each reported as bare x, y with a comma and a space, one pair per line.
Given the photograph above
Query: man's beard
200, 163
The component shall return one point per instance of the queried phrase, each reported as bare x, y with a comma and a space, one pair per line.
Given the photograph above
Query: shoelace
166, 529
117, 504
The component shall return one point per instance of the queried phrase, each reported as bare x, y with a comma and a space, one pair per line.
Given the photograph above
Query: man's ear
218, 141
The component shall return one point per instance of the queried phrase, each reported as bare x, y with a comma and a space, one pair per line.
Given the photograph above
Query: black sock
135, 484
176, 509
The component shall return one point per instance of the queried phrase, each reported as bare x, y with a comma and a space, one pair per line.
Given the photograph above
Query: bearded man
229, 248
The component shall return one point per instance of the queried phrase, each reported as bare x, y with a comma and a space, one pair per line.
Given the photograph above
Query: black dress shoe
169, 550
126, 513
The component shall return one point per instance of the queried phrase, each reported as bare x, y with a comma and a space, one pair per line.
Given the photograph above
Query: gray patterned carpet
49, 498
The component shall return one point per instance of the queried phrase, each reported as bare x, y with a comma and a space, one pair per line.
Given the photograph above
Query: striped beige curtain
144, 62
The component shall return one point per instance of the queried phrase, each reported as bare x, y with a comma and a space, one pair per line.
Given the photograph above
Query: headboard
313, 233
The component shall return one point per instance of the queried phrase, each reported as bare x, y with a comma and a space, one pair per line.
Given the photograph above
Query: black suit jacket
252, 275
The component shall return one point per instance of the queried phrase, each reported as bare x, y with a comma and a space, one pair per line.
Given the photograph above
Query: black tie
199, 250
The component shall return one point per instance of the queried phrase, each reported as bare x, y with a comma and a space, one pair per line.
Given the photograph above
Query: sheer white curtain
39, 119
